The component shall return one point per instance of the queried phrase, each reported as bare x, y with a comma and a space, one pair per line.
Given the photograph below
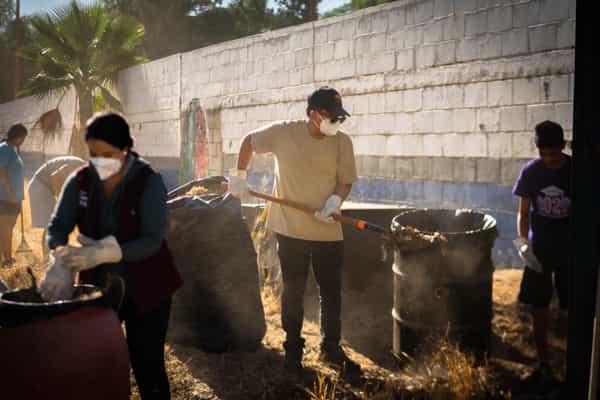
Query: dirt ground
367, 330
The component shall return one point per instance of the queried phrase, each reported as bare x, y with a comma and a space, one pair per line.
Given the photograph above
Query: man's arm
523, 217
4, 181
343, 190
245, 154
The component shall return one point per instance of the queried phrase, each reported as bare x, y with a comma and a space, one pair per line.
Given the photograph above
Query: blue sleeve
64, 217
5, 157
522, 186
153, 215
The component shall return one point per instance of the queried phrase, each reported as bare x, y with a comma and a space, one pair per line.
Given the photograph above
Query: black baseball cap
328, 99
549, 134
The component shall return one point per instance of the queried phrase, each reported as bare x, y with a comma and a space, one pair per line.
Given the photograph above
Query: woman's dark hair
16, 131
111, 128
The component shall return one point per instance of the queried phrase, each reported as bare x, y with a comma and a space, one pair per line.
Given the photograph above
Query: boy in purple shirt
544, 191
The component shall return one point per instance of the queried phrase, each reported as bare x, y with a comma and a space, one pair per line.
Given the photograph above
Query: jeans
146, 336
296, 256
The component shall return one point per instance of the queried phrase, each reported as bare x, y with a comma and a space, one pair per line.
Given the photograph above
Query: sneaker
338, 358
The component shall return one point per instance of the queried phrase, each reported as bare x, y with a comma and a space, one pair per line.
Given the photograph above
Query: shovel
357, 223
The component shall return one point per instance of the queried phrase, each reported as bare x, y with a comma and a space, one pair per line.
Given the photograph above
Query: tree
7, 12
83, 47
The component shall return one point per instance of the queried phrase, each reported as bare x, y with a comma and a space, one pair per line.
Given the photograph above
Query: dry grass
444, 373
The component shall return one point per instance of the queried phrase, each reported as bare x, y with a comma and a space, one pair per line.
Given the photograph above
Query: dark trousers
326, 258
146, 341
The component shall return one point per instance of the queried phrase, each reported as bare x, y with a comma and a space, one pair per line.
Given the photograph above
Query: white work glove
332, 206
525, 251
238, 183
58, 282
92, 253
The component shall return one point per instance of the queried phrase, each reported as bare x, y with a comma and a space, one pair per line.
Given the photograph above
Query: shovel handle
357, 223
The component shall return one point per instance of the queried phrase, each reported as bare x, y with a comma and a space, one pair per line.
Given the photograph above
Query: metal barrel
444, 287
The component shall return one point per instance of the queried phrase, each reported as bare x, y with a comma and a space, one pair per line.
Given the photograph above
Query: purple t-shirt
549, 192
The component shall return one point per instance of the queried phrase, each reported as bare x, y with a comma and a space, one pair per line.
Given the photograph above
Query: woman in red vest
118, 203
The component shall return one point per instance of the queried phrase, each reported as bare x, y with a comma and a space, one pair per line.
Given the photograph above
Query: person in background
314, 165
119, 205
544, 187
45, 187
11, 189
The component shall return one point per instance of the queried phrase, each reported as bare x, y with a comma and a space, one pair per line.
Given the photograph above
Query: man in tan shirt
315, 166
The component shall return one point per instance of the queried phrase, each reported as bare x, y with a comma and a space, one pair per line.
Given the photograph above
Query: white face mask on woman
106, 167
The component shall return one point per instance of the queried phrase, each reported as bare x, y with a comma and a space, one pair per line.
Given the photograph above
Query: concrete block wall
443, 94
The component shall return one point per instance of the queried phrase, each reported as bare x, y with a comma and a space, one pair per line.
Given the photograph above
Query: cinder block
540, 113
302, 57
405, 59
523, 145
499, 93
442, 121
404, 168
491, 46
413, 145
425, 56
424, 11
396, 19
369, 145
393, 102
513, 119
442, 8
321, 34
500, 18
375, 63
499, 145
476, 94
380, 21
462, 6
413, 100
555, 88
510, 170
404, 123
445, 53
475, 145
454, 27
376, 103
423, 121
361, 104
413, 36
394, 145
571, 86
453, 145
468, 49
384, 123
442, 169
464, 120
515, 42
566, 34
324, 52
395, 40
543, 37
343, 49
432, 145
476, 23
387, 167
465, 170
488, 119
526, 91
526, 14
564, 115
553, 10
364, 24
377, 43
423, 167
453, 96
572, 8
433, 31
488, 170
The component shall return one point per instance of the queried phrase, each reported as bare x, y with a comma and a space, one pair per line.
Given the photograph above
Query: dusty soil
368, 340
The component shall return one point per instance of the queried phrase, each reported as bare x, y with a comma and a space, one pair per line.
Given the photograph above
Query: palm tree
83, 47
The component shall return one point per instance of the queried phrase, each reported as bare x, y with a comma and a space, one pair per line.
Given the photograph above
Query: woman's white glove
92, 253
332, 206
238, 183
525, 251
58, 282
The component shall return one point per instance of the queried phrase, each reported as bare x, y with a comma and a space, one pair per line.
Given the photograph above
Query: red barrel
78, 355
